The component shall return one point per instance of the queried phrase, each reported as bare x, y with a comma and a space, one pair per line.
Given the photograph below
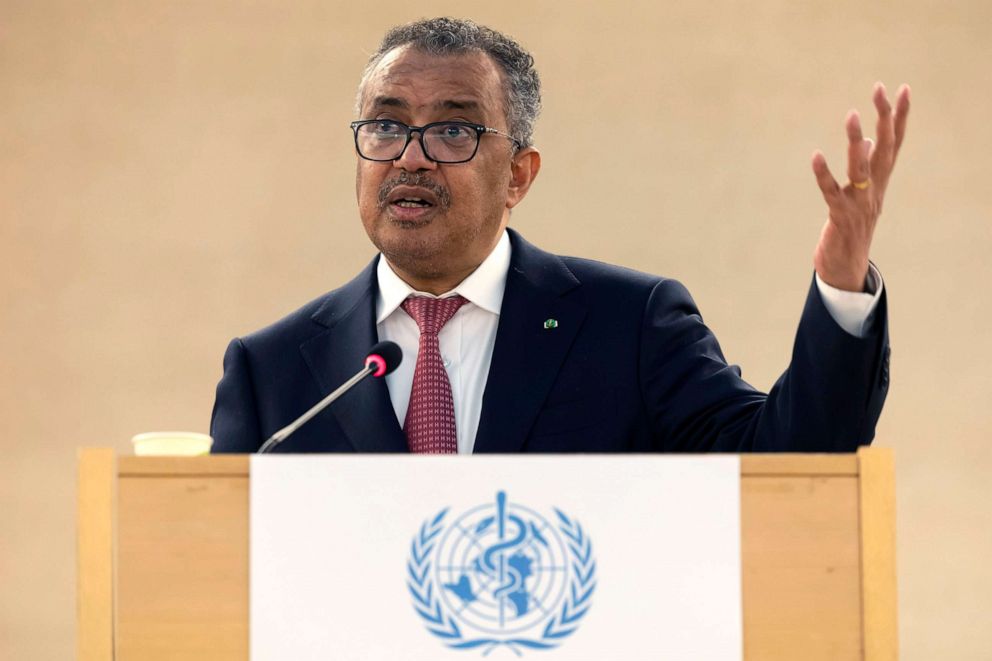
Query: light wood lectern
163, 557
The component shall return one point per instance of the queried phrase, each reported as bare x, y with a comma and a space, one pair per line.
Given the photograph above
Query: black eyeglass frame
480, 130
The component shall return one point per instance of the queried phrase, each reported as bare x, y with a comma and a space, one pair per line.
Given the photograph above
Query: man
508, 348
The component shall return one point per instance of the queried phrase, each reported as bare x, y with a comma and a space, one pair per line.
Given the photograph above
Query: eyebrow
448, 104
389, 101
457, 105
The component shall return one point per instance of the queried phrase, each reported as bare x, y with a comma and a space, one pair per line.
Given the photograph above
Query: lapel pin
550, 323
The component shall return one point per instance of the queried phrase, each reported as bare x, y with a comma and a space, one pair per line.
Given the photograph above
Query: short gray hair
452, 36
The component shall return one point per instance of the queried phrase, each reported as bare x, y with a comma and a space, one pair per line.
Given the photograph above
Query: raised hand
841, 256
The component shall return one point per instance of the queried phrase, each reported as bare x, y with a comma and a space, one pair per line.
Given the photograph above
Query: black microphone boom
382, 359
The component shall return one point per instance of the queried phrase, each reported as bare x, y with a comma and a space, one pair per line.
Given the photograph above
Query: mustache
414, 179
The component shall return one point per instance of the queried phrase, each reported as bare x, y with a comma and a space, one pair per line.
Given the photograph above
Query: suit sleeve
828, 400
234, 423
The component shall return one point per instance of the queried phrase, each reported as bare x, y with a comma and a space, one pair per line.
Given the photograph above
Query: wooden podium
163, 557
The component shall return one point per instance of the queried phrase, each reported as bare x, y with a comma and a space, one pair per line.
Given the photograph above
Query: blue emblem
501, 575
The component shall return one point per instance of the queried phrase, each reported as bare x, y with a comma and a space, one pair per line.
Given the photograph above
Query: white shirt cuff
853, 311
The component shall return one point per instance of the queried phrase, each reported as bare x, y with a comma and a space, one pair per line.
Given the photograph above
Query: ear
524, 167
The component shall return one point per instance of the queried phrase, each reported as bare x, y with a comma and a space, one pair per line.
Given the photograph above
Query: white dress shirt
853, 311
467, 340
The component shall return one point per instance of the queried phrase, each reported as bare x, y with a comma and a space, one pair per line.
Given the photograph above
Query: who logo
501, 574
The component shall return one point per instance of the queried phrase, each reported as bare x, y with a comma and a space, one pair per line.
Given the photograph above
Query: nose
413, 157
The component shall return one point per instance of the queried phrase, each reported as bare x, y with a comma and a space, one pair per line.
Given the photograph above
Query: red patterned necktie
430, 417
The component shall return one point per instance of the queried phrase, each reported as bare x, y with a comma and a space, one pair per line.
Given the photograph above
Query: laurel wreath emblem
427, 602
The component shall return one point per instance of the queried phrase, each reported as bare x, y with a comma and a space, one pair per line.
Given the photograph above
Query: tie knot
431, 314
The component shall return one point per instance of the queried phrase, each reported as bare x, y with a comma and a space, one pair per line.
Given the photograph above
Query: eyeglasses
442, 142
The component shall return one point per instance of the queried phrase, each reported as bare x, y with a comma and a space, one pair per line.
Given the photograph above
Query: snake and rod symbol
493, 561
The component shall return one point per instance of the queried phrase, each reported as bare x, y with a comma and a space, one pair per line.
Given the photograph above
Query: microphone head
385, 357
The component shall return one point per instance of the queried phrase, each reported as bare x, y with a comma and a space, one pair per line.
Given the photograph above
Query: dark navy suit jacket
630, 367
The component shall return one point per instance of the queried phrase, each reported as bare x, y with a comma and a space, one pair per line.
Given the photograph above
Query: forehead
421, 83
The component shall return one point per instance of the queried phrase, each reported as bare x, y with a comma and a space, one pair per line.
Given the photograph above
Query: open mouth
412, 200
412, 203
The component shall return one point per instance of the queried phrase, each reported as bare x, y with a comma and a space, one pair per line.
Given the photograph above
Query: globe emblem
502, 568
501, 574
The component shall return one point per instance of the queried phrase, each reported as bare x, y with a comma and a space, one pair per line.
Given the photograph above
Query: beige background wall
173, 174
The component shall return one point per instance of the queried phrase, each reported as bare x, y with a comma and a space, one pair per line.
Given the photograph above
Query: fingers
884, 154
902, 112
832, 193
856, 205
881, 100
883, 129
858, 150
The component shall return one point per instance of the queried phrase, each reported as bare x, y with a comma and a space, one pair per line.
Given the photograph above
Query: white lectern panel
557, 557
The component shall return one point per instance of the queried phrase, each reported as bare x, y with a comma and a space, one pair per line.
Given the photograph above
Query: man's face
436, 223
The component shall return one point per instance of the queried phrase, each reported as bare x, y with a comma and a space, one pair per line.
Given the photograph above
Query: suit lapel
527, 355
365, 413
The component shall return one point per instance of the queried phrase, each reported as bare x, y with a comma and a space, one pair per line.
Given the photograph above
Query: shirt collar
484, 287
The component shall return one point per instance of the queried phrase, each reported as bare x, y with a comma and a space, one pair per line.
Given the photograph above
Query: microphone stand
284, 433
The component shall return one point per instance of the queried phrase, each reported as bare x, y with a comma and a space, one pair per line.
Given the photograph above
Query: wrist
846, 282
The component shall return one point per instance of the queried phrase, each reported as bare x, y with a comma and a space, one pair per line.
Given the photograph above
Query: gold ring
861, 185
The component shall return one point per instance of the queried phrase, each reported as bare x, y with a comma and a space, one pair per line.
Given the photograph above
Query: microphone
382, 359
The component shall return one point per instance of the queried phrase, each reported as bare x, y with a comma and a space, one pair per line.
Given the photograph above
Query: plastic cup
171, 444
